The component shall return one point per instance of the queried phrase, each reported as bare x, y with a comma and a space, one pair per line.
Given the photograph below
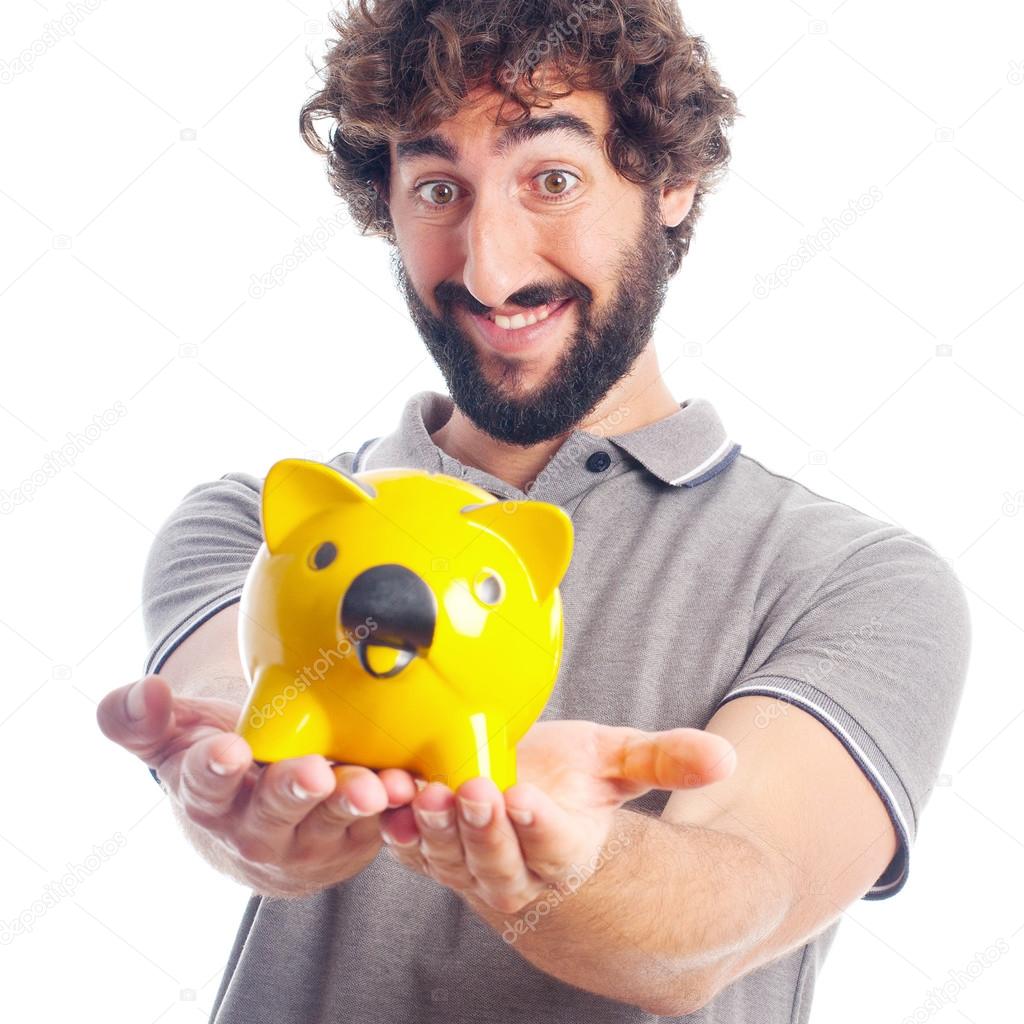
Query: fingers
399, 826
284, 793
466, 842
138, 717
210, 776
401, 787
434, 812
671, 759
358, 796
687, 758
549, 836
490, 845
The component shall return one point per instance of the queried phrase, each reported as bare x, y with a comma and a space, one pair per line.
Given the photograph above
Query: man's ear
676, 202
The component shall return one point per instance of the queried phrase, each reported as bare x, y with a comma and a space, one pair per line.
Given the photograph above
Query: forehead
473, 134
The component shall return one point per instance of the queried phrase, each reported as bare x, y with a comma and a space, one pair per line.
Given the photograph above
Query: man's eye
441, 193
555, 183
322, 556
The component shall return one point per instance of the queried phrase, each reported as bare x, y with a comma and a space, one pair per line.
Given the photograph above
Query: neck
640, 398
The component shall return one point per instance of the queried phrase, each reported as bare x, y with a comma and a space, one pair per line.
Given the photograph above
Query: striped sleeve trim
863, 749
166, 647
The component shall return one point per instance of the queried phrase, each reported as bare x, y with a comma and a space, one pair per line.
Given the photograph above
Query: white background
886, 374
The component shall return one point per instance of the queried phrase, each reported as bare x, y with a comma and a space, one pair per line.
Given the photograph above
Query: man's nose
400, 604
500, 249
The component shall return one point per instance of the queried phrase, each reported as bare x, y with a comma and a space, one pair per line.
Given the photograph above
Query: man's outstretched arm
743, 866
667, 906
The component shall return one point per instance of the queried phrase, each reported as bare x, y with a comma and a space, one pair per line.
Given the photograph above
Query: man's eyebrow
439, 145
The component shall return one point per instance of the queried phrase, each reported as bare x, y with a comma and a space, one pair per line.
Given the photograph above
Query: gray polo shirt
697, 576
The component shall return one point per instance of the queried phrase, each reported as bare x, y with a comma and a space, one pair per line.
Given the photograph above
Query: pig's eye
488, 588
323, 555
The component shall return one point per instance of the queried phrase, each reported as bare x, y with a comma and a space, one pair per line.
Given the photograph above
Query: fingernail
520, 817
436, 819
219, 768
475, 812
349, 808
298, 792
135, 704
392, 841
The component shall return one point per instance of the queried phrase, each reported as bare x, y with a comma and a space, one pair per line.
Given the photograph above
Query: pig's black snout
397, 607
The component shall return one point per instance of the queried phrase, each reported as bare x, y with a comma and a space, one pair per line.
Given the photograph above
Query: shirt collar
683, 449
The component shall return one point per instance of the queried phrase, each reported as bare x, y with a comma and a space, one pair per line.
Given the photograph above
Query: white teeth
519, 320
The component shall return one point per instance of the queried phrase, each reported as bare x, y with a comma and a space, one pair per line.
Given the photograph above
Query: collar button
598, 461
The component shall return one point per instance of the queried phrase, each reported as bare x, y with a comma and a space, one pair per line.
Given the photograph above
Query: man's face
545, 221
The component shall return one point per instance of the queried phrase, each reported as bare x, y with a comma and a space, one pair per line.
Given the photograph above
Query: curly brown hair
400, 67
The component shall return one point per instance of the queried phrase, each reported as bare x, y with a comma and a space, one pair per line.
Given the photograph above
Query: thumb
671, 759
138, 716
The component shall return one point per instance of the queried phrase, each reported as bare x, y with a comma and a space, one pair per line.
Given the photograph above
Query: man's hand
285, 829
505, 850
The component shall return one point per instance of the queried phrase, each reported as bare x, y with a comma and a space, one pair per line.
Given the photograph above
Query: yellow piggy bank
400, 618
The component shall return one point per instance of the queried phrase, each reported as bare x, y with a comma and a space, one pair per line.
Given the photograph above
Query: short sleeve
879, 655
198, 561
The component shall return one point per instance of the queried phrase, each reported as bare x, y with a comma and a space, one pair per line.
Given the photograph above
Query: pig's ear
295, 489
540, 532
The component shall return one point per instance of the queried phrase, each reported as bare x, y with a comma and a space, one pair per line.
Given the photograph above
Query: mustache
448, 297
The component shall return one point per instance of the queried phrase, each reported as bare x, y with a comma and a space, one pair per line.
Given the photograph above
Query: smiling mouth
526, 334
532, 316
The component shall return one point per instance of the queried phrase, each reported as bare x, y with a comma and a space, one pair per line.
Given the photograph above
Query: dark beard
598, 355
